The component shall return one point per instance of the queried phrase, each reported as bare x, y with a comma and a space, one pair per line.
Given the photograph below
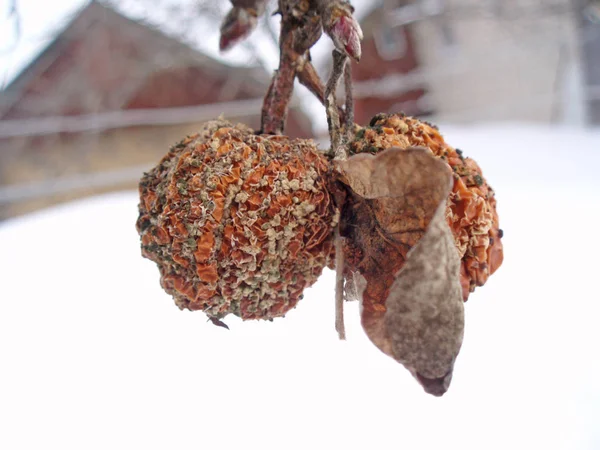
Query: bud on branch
341, 27
240, 22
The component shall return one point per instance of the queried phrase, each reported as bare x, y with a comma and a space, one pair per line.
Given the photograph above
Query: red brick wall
374, 66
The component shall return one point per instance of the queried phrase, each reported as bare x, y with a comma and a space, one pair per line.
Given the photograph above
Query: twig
349, 113
340, 152
339, 286
275, 105
333, 118
298, 34
309, 78
302, 24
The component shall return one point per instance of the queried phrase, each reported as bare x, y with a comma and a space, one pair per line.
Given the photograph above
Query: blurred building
104, 102
389, 54
472, 60
589, 34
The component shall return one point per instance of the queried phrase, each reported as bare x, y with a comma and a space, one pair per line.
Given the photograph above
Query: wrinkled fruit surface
237, 222
471, 205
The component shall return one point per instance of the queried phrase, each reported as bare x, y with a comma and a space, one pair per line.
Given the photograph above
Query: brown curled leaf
402, 260
398, 173
425, 316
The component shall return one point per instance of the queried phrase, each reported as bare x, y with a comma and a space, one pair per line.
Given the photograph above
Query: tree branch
333, 118
309, 78
339, 285
348, 120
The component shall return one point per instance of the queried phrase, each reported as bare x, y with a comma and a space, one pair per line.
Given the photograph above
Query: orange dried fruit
471, 205
237, 222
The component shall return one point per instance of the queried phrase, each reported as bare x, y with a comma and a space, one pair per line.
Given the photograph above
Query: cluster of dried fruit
242, 222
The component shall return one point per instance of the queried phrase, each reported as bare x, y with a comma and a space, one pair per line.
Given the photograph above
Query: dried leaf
398, 173
425, 317
402, 260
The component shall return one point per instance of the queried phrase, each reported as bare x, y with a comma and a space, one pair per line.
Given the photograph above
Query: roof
173, 54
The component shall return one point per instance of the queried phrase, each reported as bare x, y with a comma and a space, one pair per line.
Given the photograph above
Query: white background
94, 355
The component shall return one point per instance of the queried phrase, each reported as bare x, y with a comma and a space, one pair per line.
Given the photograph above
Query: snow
94, 355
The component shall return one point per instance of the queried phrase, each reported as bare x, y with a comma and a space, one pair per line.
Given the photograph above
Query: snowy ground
93, 355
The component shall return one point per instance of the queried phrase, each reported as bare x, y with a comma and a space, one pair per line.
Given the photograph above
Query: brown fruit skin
237, 222
471, 208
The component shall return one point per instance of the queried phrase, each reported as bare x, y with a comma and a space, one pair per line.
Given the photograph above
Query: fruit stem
348, 118
339, 286
301, 27
338, 147
309, 78
275, 104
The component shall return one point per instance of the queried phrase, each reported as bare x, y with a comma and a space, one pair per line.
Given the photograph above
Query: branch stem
349, 111
339, 286
275, 105
309, 78
333, 118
